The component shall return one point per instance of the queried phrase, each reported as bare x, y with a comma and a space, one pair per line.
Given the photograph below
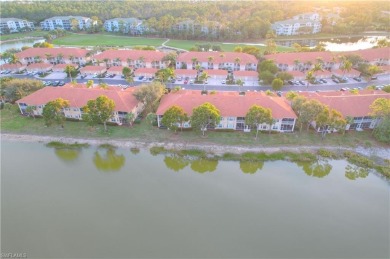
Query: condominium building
10, 25
217, 60
65, 23
233, 108
306, 23
131, 26
78, 96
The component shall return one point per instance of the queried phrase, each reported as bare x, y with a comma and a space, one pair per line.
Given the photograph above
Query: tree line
238, 20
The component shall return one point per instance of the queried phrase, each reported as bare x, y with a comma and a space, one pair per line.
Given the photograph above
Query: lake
18, 44
107, 203
337, 44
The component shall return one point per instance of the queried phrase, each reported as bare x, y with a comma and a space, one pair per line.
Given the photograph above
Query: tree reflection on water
175, 162
319, 168
251, 167
109, 161
203, 165
354, 172
67, 154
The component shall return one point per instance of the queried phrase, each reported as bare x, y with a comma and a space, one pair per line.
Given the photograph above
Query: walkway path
169, 47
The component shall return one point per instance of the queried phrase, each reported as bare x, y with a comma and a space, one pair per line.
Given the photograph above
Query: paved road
322, 87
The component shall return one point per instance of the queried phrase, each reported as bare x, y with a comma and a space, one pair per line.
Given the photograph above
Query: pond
18, 44
337, 44
122, 203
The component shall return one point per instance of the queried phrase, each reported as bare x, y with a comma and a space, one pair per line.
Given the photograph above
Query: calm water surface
18, 44
111, 204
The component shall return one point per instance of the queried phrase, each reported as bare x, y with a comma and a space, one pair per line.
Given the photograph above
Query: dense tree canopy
235, 20
99, 110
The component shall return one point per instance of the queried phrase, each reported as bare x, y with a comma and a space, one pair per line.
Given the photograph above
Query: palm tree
194, 62
106, 61
210, 60
237, 62
71, 58
240, 83
60, 57
309, 77
129, 62
69, 69
118, 60
37, 59
48, 57
13, 59
346, 66
296, 64
141, 61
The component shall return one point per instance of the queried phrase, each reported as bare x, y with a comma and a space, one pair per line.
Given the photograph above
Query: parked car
140, 77
343, 89
323, 81
279, 93
56, 83
358, 79
179, 78
301, 82
191, 81
185, 81
374, 78
61, 83
173, 81
290, 82
335, 80
223, 82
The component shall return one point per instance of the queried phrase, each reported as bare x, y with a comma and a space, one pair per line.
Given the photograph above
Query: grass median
13, 122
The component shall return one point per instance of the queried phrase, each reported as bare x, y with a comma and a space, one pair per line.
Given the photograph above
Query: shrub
358, 160
157, 150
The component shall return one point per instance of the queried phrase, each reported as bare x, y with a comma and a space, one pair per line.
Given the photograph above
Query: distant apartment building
65, 23
192, 27
53, 56
11, 25
233, 61
307, 23
131, 58
303, 61
131, 26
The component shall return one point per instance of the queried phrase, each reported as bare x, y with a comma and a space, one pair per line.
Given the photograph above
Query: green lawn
22, 35
13, 122
188, 44
109, 39
106, 40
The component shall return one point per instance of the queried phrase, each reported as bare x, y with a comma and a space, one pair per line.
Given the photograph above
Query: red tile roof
39, 65
123, 55
226, 57
92, 69
11, 66
145, 70
181, 72
289, 58
245, 73
63, 66
115, 69
349, 104
228, 103
66, 52
327, 56
79, 96
373, 54
216, 72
